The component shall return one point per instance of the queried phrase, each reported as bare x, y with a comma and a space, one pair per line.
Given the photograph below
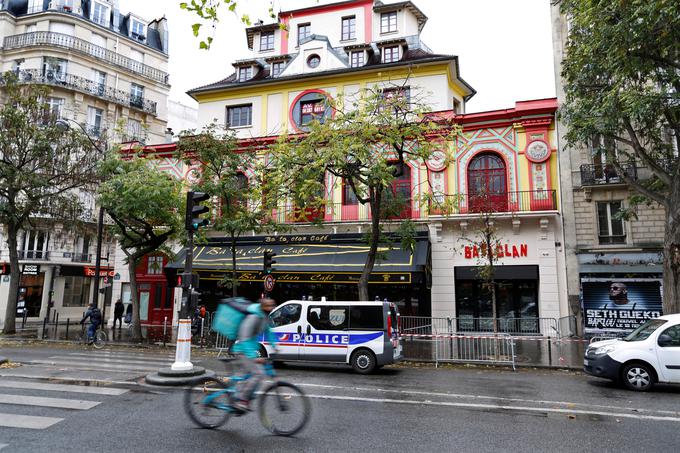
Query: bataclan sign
502, 251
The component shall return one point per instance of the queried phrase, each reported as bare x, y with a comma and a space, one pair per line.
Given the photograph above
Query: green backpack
230, 314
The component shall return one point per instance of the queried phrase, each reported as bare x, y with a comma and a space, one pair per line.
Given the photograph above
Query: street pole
183, 349
98, 258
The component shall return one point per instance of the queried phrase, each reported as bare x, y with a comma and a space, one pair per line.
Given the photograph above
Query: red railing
522, 201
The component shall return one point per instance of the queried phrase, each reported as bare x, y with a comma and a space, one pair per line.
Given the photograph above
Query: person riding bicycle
252, 327
95, 316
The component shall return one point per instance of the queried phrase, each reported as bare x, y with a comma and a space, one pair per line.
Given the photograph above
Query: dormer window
313, 61
100, 14
277, 68
391, 54
349, 26
137, 30
267, 41
35, 6
245, 73
357, 58
388, 22
304, 31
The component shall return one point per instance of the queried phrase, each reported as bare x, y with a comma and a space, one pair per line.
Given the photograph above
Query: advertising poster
620, 305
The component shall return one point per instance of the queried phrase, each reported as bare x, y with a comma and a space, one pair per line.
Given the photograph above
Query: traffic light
268, 262
188, 280
194, 209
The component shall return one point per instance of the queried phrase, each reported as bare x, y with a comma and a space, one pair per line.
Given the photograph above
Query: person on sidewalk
128, 314
95, 316
118, 310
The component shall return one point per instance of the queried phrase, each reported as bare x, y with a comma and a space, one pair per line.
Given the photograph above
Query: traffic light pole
183, 350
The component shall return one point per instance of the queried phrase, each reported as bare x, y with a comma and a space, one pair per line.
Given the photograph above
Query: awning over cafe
309, 259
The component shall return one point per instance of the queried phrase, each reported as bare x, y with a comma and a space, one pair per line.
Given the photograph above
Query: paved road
423, 410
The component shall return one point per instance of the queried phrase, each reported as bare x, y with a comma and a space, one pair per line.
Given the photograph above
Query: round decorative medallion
437, 161
537, 151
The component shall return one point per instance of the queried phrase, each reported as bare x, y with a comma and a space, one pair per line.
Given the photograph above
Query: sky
504, 46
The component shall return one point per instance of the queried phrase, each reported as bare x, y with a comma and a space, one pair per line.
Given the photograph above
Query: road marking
93, 365
27, 421
42, 401
31, 385
113, 361
489, 398
499, 407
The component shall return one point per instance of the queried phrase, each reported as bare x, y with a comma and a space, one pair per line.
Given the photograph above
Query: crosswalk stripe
114, 361
3, 446
124, 355
93, 365
27, 421
32, 385
43, 401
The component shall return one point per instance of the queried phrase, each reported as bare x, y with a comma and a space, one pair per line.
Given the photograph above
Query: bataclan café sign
502, 251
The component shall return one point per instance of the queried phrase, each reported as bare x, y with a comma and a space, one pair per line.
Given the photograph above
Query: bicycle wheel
284, 409
100, 339
207, 414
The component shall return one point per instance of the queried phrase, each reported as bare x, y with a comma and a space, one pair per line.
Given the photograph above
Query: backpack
96, 315
229, 316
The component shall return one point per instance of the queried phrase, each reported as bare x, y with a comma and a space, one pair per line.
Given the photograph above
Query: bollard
56, 326
23, 321
165, 329
67, 325
202, 322
42, 337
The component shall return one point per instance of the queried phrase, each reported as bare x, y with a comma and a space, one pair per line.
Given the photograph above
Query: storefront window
76, 291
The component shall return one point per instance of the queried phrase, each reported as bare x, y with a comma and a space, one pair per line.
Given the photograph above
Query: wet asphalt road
398, 409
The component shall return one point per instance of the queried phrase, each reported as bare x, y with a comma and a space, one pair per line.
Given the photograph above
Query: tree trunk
15, 277
134, 299
234, 273
671, 261
373, 245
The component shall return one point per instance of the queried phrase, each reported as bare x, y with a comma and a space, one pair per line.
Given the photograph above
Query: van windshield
644, 331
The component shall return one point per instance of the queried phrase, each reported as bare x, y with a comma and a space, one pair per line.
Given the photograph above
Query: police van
364, 335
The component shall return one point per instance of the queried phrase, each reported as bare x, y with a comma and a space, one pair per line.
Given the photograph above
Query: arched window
487, 183
398, 198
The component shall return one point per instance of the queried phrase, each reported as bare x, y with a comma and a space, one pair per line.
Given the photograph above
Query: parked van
364, 335
649, 354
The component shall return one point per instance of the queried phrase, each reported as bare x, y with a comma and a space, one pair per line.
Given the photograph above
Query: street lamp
63, 125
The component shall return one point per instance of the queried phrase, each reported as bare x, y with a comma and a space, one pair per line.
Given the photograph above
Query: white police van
364, 335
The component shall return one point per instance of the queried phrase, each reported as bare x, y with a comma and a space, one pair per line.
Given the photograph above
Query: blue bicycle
282, 407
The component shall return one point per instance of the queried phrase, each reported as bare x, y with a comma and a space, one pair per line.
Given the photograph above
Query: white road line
489, 398
43, 401
93, 365
499, 407
27, 421
32, 385
113, 360
3, 446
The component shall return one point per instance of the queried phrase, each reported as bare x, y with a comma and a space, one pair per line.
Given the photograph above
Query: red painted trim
368, 22
295, 101
285, 35
323, 9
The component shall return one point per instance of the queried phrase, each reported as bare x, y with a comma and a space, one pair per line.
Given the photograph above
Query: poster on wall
619, 305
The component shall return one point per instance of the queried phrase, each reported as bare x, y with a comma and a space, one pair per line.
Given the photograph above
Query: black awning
304, 262
501, 272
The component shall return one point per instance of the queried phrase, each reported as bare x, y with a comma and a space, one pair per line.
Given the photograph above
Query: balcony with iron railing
494, 203
87, 86
601, 174
73, 44
36, 255
81, 257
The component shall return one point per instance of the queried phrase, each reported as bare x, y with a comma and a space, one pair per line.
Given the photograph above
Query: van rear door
393, 329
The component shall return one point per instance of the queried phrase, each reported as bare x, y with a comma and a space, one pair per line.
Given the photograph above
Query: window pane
366, 318
286, 315
328, 317
603, 219
617, 224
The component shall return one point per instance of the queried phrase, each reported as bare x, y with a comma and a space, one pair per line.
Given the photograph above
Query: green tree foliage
366, 144
43, 165
147, 208
222, 171
622, 82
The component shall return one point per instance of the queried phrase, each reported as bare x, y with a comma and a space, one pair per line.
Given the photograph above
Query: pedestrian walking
128, 314
118, 310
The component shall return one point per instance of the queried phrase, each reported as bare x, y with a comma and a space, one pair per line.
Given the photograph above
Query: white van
649, 354
364, 335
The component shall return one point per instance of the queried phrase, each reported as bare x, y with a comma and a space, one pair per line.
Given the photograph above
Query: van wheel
261, 353
638, 376
363, 361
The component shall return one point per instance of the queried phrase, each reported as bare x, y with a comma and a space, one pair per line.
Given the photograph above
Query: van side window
674, 333
328, 317
366, 318
288, 314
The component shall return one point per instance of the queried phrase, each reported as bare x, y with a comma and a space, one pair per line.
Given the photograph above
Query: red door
154, 295
487, 189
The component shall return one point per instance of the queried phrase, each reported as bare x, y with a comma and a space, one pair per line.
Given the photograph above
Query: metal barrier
567, 326
222, 344
492, 349
419, 325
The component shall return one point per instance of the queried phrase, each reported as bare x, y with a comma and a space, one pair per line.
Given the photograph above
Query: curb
156, 379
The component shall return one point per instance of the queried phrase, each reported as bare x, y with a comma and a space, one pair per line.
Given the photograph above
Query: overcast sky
504, 46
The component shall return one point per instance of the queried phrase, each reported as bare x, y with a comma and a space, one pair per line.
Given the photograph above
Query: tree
42, 167
222, 172
622, 82
146, 205
366, 144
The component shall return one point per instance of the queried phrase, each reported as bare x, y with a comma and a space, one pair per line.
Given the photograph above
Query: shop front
312, 267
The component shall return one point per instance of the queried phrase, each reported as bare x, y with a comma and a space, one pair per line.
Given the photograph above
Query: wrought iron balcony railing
48, 38
596, 174
40, 255
81, 257
87, 86
339, 212
475, 203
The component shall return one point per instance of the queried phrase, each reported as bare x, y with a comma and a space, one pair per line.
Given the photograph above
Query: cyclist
247, 347
95, 316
